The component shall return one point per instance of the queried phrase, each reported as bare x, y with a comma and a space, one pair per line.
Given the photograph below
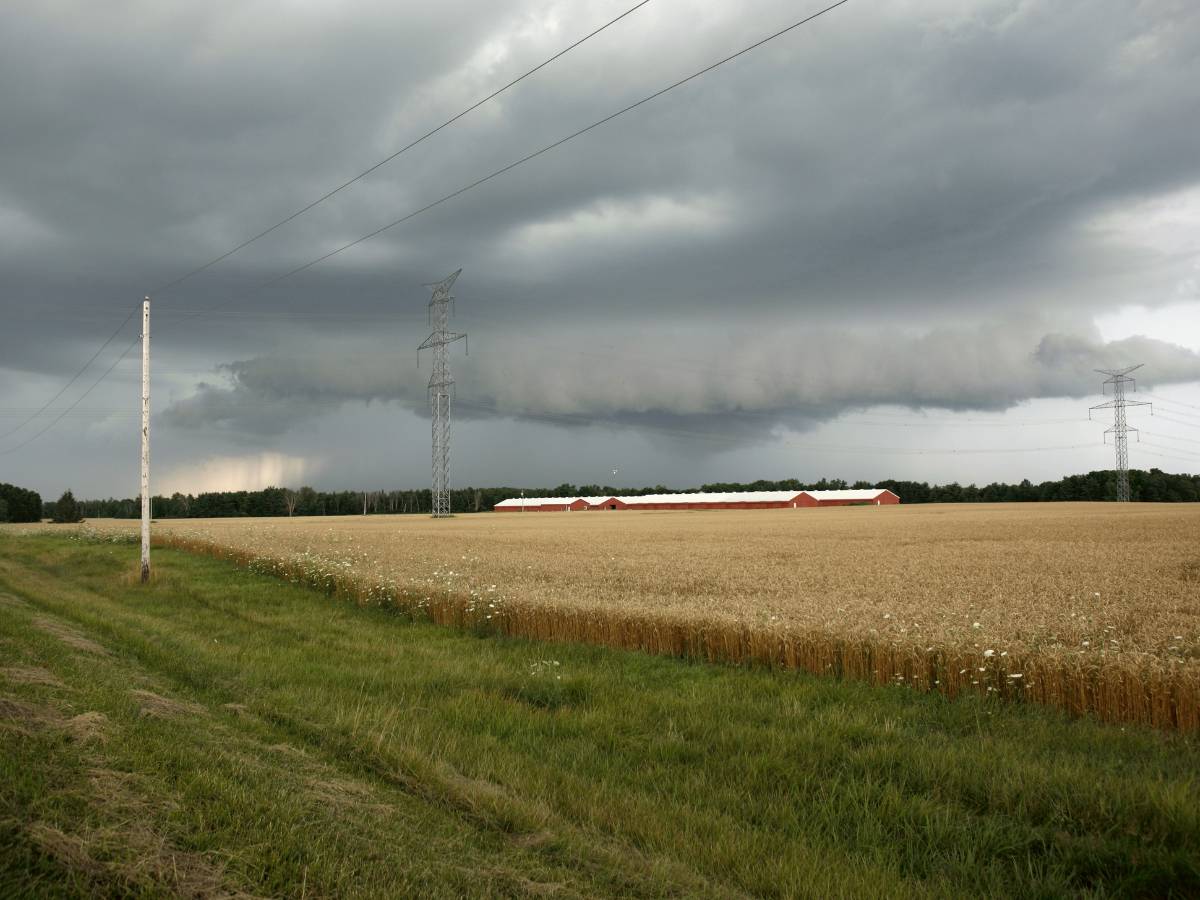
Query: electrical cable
534, 155
1170, 401
1169, 418
1188, 459
74, 377
162, 289
78, 400
1170, 437
583, 420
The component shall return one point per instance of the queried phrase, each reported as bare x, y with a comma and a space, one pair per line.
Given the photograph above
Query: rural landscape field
1088, 607
609, 449
220, 732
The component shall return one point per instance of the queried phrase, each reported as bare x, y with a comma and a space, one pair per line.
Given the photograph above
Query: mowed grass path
223, 732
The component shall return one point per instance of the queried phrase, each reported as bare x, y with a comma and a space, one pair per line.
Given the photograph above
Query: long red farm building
724, 500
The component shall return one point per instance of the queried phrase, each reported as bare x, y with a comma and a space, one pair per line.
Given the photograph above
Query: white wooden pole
145, 440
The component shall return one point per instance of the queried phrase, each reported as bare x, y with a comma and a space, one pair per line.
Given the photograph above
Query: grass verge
219, 732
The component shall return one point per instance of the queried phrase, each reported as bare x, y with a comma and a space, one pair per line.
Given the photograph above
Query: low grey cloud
798, 380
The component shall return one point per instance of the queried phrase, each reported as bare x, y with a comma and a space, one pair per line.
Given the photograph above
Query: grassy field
221, 732
1089, 607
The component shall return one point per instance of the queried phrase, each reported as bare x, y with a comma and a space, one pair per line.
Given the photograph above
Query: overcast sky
894, 242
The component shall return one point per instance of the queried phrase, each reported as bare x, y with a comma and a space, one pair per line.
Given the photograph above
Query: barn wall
887, 498
609, 502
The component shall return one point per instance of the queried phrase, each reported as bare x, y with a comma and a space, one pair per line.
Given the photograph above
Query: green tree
66, 509
23, 505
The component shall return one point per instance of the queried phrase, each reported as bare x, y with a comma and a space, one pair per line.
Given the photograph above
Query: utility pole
440, 385
145, 440
1119, 379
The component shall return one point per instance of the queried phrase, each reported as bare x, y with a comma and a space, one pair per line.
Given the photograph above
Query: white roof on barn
718, 497
537, 501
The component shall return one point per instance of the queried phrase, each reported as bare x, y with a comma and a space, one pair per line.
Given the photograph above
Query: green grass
305, 747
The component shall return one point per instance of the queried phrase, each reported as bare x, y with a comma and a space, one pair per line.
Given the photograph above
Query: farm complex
696, 501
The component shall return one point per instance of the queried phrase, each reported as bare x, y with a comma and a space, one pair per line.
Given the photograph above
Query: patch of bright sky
1178, 323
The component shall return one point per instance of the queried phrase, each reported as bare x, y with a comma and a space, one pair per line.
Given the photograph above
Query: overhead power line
62, 415
212, 262
74, 378
1176, 453
583, 420
1170, 402
1171, 437
162, 289
536, 153
1174, 421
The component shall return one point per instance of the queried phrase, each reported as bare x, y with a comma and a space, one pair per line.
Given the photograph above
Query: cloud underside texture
912, 204
798, 380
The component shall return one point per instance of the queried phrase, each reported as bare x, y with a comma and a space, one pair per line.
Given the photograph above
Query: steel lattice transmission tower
1119, 379
440, 388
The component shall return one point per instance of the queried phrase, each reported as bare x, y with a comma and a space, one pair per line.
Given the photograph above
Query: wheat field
1093, 608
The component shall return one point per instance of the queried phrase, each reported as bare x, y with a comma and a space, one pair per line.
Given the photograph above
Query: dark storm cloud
881, 193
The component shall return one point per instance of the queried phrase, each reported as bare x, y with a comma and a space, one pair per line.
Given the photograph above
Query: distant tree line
19, 505
275, 501
1151, 486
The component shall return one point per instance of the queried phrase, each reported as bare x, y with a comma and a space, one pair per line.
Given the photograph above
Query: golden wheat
1088, 607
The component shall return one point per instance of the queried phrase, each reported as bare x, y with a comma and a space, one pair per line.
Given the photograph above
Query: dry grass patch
69, 849
342, 793
27, 717
130, 859
117, 789
69, 636
11, 601
156, 706
30, 675
287, 749
88, 726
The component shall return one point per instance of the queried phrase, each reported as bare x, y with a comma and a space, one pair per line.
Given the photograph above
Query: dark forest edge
1153, 486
